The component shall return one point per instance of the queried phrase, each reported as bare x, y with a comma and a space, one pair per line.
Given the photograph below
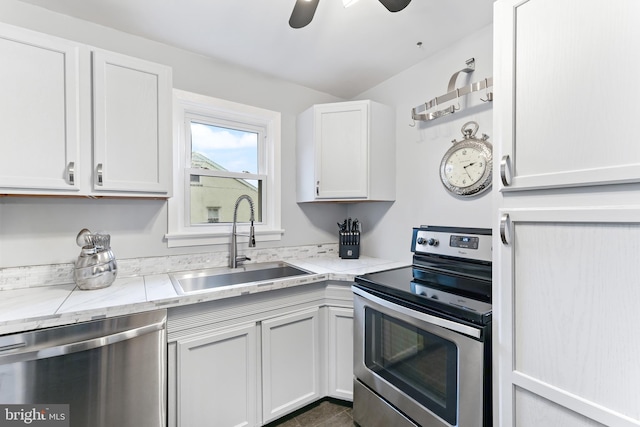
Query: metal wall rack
421, 111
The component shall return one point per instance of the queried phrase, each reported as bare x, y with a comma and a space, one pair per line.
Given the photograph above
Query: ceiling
343, 51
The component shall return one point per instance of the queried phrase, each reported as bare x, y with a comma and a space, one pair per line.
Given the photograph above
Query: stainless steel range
422, 335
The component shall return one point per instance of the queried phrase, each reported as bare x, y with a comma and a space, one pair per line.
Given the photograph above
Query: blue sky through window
234, 150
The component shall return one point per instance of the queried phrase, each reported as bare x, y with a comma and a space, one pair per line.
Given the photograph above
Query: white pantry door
567, 226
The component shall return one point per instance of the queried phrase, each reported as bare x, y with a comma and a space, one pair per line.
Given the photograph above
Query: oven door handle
437, 321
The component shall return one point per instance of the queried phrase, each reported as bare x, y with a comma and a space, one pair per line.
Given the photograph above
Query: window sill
178, 240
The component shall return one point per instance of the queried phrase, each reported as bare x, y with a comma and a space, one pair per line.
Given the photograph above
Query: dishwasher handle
59, 350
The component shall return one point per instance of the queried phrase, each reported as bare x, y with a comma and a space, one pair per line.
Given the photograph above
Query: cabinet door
340, 358
217, 379
565, 303
132, 124
40, 111
563, 92
290, 363
341, 151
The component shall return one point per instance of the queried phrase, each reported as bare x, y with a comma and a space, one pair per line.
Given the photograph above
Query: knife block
349, 245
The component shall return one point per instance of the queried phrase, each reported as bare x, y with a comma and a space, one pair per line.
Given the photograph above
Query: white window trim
179, 233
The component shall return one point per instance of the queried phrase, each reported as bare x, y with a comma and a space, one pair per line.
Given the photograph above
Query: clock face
466, 168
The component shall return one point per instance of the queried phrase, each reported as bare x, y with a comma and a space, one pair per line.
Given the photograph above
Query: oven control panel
464, 242
468, 243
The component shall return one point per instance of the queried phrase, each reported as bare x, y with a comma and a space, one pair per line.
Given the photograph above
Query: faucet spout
234, 259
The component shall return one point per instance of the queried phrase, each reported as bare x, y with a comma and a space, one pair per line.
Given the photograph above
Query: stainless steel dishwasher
111, 372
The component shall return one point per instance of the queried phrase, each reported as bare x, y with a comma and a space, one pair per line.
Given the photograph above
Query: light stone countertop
55, 305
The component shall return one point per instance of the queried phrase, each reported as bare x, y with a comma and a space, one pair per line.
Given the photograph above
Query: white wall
421, 197
42, 230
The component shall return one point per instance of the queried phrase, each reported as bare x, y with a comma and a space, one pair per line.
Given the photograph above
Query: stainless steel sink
204, 280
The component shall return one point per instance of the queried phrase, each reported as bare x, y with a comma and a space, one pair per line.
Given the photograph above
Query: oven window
420, 364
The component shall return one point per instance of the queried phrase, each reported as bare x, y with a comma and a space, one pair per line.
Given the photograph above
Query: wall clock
466, 168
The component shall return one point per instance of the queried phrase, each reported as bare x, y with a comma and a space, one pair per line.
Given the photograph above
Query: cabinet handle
317, 188
503, 228
504, 165
71, 173
99, 172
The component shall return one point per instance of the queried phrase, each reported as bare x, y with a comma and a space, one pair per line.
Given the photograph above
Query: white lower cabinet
250, 360
225, 393
569, 292
340, 352
290, 362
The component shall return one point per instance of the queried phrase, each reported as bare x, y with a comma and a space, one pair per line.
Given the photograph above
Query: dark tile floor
324, 413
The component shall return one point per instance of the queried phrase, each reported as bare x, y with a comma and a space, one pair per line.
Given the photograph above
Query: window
223, 150
213, 214
224, 165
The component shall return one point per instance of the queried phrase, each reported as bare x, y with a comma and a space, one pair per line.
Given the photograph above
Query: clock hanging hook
467, 132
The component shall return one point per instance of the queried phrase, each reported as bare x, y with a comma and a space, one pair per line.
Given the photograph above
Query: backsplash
59, 274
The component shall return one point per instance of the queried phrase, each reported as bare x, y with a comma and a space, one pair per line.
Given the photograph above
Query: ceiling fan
304, 10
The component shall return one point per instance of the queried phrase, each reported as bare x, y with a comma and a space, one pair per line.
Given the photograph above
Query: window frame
188, 105
259, 176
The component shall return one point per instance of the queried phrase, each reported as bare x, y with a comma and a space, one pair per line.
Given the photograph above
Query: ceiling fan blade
303, 12
395, 5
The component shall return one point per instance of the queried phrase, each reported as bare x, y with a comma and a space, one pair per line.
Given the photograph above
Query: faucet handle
252, 236
242, 258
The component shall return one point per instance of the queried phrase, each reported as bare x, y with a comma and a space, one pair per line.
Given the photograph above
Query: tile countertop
42, 307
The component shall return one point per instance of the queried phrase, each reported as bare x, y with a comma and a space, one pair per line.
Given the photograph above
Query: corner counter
29, 308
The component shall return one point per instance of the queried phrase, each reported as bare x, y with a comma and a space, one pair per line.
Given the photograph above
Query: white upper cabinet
40, 110
566, 76
54, 143
132, 124
346, 152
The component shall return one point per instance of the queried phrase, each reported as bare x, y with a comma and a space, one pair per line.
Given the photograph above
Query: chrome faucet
234, 259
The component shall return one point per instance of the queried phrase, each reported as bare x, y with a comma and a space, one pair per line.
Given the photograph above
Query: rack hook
458, 98
488, 93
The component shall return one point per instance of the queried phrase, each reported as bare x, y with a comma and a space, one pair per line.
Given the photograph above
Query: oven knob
421, 240
432, 242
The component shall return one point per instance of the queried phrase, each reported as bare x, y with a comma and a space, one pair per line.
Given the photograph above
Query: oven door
427, 367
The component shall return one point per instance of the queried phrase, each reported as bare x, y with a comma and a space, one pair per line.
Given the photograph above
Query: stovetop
451, 274
400, 285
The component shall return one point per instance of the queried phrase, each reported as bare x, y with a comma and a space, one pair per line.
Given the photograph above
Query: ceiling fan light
347, 3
